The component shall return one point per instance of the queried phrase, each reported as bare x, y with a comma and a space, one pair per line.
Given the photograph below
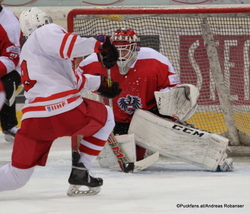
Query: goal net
208, 47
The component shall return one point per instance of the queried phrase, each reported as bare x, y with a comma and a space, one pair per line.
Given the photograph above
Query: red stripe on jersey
55, 96
83, 83
71, 46
52, 106
35, 108
89, 151
65, 38
95, 141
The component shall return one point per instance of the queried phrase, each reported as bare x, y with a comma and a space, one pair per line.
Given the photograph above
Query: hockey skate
227, 165
80, 177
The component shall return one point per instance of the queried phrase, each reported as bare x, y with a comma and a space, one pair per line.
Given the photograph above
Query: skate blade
74, 190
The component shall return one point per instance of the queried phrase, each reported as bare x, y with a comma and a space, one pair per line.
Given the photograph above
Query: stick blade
145, 163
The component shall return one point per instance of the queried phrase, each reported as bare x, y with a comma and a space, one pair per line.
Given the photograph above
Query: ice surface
160, 189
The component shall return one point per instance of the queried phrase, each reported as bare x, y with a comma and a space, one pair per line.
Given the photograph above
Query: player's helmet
32, 19
128, 45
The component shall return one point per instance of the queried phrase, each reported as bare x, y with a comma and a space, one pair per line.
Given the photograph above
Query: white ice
160, 189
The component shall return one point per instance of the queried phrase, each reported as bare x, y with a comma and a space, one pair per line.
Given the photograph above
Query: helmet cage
128, 45
127, 56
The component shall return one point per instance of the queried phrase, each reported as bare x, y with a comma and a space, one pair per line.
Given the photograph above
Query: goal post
209, 47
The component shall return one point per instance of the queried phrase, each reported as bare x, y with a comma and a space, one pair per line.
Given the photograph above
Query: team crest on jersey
129, 103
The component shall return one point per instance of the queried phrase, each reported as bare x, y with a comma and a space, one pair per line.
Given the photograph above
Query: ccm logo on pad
188, 130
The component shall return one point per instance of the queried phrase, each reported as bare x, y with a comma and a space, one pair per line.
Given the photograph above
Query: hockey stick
123, 162
12, 98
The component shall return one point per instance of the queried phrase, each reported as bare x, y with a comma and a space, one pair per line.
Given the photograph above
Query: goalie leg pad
178, 141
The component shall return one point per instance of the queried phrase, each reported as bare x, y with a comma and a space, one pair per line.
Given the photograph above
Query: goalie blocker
182, 142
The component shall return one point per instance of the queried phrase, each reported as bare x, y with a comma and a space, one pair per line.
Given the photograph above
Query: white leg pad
12, 178
178, 141
107, 158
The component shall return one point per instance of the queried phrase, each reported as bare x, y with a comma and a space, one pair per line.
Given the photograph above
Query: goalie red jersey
150, 72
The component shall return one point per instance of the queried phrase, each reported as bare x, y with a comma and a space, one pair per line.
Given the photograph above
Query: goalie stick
123, 162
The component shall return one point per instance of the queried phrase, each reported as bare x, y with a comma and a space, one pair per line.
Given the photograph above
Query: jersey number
26, 81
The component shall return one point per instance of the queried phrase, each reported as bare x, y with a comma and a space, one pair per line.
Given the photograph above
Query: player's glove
108, 55
108, 88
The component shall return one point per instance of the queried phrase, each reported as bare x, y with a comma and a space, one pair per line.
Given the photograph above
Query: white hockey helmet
128, 45
32, 19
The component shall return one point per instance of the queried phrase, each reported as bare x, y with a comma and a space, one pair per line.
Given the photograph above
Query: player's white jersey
51, 84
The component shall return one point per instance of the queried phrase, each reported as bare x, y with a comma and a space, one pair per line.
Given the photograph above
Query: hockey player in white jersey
54, 107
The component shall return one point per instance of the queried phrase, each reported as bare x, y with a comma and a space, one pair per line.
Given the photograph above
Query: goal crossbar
108, 11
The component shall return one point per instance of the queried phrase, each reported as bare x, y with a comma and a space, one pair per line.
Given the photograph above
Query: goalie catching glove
180, 102
108, 88
108, 55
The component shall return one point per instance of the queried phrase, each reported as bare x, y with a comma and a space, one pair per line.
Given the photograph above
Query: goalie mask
128, 45
32, 19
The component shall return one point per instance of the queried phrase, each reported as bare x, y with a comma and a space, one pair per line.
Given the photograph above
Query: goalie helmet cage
208, 47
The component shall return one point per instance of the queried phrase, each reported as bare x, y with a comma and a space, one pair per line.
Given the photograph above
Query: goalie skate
227, 165
80, 177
